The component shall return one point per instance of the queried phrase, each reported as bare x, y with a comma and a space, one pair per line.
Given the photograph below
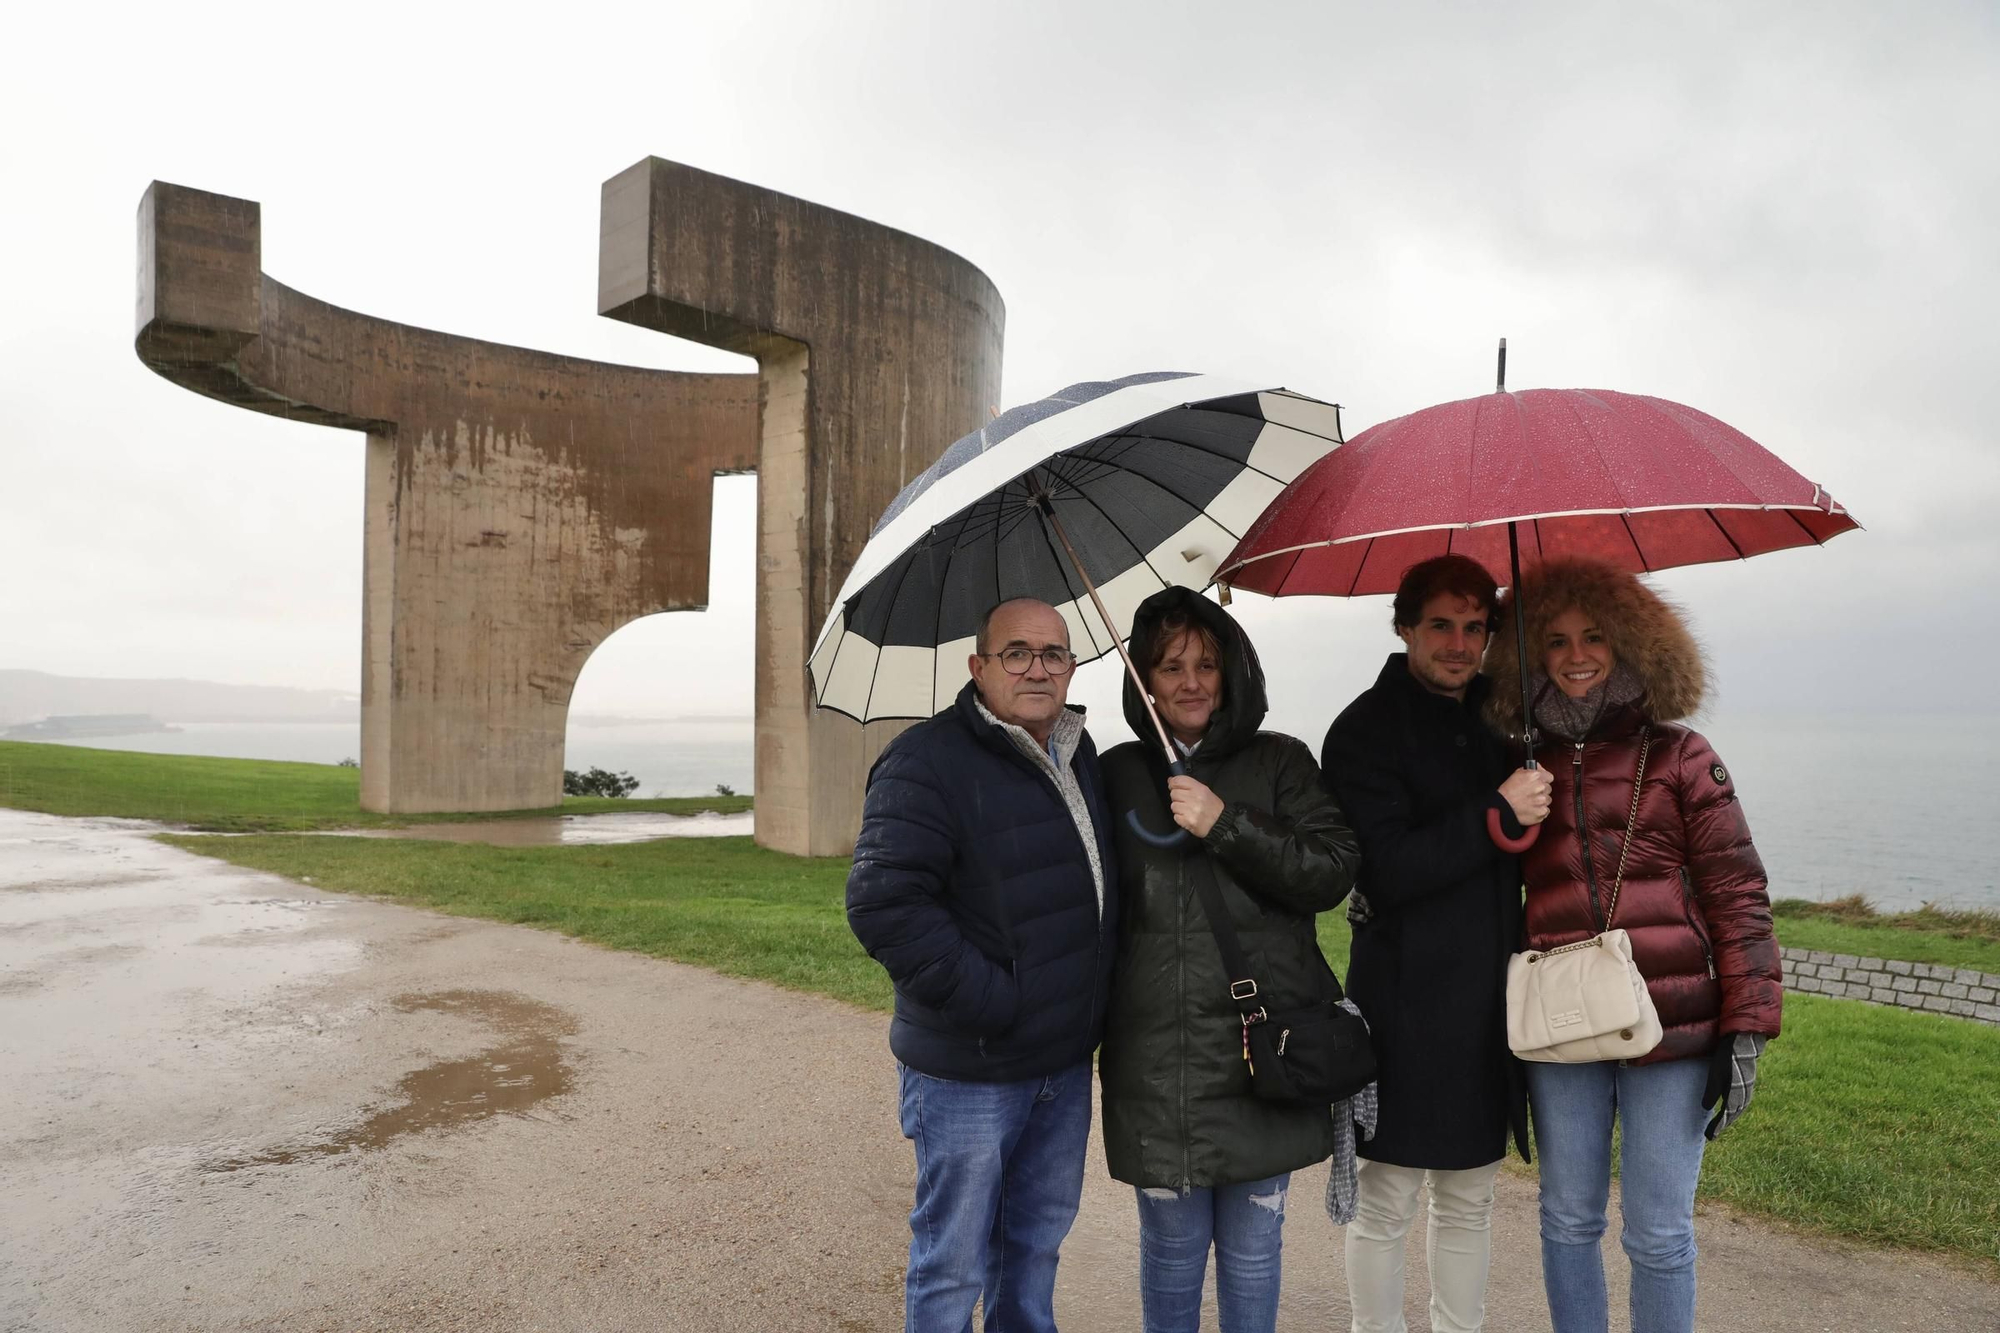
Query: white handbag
1585, 1001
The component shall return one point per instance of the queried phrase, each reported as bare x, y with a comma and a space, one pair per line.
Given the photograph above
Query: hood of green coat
1244, 702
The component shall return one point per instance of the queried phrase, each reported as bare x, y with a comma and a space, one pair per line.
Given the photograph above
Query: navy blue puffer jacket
972, 887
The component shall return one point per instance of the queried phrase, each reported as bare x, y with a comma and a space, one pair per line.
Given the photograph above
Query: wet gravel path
228, 1101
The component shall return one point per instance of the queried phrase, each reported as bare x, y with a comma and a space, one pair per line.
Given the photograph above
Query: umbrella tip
1500, 378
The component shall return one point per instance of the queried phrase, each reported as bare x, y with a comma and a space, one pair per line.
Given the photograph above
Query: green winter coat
1178, 1109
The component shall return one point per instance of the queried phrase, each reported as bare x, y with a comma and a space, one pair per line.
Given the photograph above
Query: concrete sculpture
522, 506
874, 351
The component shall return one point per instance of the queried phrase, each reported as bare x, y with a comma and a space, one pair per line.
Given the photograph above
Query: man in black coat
1416, 771
983, 881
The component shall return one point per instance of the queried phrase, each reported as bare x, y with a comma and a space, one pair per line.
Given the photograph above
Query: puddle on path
572, 830
524, 1068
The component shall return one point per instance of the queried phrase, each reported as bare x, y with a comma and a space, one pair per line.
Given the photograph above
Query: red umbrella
1641, 483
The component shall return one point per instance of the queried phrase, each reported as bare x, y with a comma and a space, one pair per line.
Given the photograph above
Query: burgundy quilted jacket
1693, 901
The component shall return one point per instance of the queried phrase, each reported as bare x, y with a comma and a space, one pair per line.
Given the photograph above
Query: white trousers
1460, 1245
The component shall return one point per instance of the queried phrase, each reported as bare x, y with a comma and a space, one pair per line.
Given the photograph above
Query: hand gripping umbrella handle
1146, 835
1505, 843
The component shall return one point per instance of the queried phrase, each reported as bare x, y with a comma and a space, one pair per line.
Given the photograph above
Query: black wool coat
1178, 1107
1416, 772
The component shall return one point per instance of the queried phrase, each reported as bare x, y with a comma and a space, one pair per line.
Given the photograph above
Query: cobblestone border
1930, 987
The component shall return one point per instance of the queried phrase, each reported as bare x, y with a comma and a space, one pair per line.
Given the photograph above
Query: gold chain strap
1631, 824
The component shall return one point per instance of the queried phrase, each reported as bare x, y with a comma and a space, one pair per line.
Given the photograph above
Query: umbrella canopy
1149, 480
1642, 483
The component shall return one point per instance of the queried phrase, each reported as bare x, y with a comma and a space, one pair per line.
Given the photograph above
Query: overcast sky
1785, 215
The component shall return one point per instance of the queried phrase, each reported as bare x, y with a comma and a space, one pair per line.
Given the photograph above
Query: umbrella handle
1146, 835
1505, 843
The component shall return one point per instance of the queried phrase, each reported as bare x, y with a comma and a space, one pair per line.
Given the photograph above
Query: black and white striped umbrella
1149, 480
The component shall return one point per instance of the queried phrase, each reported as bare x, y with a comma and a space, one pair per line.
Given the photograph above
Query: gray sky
1784, 215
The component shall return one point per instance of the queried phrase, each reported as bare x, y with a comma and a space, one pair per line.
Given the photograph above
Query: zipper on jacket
1096, 958
1181, 1027
1694, 919
1097, 952
1583, 839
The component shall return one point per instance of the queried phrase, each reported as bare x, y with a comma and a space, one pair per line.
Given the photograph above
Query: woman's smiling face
1187, 685
1576, 655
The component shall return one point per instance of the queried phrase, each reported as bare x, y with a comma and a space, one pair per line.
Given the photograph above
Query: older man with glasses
983, 881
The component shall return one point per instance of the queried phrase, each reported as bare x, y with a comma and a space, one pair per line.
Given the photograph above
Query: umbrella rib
832, 661
984, 513
1062, 567
937, 621
1725, 534
1282, 425
875, 676
1793, 515
998, 595
1630, 536
944, 581
1296, 557
1145, 558
1130, 438
1168, 490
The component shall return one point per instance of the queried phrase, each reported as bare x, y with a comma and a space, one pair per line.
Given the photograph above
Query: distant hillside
27, 696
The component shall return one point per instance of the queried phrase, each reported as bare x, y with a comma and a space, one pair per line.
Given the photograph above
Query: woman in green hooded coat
1211, 1160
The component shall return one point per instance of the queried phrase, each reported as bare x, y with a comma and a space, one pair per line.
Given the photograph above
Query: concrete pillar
875, 350
520, 506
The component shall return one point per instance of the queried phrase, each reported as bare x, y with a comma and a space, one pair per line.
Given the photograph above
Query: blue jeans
1659, 1111
1246, 1224
999, 1175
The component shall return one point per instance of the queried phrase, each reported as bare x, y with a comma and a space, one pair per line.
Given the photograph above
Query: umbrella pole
1493, 829
1176, 767
1117, 639
1521, 645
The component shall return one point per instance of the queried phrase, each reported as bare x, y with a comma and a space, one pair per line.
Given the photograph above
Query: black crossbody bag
1314, 1055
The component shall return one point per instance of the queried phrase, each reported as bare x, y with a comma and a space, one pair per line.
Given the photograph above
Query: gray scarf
1569, 719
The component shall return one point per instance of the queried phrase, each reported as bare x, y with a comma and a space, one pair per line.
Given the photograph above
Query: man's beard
1432, 673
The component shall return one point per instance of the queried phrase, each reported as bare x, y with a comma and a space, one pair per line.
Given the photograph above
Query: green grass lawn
1870, 1123
239, 795
1850, 925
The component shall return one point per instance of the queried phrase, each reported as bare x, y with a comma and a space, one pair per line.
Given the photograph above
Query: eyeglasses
1016, 661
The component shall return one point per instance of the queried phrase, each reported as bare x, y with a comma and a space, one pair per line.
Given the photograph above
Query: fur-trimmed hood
1646, 632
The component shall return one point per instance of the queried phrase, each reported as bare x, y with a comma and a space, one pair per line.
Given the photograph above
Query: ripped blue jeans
1244, 1223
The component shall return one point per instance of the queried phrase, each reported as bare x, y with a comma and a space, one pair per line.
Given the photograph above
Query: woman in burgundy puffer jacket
1612, 672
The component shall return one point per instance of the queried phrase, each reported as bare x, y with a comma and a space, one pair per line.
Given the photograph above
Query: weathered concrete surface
232, 1102
875, 350
520, 506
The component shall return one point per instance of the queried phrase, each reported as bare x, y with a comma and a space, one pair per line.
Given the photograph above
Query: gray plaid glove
1358, 913
1732, 1079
